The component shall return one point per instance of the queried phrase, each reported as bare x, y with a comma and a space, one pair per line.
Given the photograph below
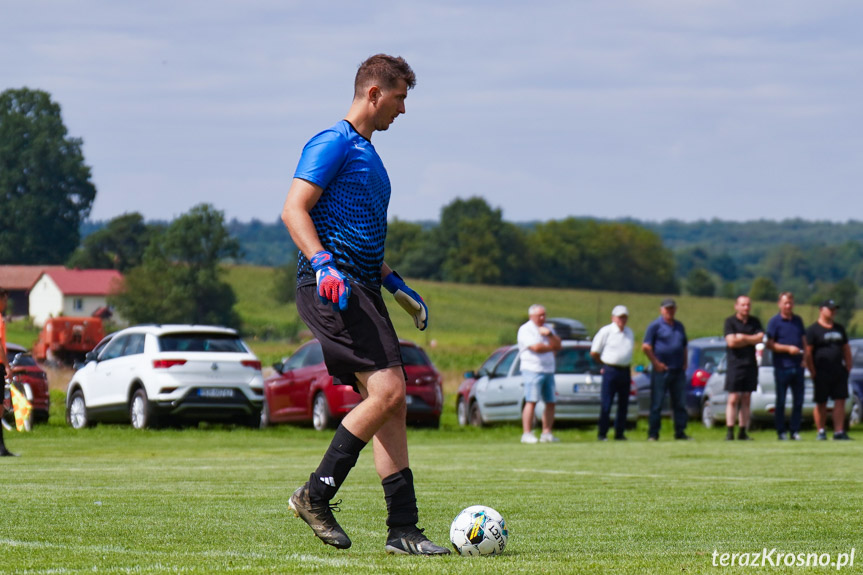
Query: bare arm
743, 340
849, 362
785, 348
302, 197
658, 366
808, 362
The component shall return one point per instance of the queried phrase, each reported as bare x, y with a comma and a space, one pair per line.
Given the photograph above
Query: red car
27, 373
301, 390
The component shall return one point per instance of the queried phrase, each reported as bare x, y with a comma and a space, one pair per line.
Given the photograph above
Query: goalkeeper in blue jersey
336, 212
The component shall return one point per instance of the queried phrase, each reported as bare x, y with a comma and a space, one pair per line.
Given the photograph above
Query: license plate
215, 392
586, 388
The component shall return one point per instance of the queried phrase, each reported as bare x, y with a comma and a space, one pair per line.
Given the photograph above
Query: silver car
499, 395
763, 399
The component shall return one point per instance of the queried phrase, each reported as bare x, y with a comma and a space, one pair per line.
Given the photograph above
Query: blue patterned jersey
351, 214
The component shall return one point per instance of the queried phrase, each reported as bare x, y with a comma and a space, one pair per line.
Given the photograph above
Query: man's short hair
535, 309
385, 71
788, 294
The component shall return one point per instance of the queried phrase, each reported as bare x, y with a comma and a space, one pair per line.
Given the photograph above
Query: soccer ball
478, 530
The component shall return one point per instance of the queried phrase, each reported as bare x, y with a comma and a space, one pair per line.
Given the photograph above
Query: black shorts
830, 385
741, 380
361, 338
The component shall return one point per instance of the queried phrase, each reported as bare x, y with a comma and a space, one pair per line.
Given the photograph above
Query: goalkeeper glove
408, 299
333, 286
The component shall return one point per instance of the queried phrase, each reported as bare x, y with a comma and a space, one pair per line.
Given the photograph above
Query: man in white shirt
612, 348
537, 344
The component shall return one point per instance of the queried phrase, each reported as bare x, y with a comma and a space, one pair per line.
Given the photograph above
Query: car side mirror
470, 375
709, 367
90, 356
279, 367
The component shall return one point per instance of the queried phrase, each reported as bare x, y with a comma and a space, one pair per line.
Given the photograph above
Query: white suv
148, 374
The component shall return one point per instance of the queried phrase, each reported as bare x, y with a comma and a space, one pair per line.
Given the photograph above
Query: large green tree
179, 280
45, 187
120, 245
479, 247
602, 255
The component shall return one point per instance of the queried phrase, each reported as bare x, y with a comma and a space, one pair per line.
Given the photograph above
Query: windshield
575, 360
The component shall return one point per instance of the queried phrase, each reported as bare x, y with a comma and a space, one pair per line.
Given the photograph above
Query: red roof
23, 277
86, 282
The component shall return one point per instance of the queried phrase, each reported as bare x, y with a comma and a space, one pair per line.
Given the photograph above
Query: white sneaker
548, 438
529, 438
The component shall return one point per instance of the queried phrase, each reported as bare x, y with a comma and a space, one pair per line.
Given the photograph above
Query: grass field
214, 500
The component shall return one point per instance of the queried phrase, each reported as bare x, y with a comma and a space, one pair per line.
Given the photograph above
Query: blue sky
654, 109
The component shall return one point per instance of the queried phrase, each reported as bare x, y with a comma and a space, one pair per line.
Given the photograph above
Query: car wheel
707, 414
265, 415
140, 411
475, 415
321, 417
856, 415
76, 413
461, 411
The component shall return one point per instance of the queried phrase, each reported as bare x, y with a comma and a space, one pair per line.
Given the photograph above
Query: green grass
214, 500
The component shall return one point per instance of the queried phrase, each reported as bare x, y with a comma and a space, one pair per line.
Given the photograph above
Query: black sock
742, 433
401, 499
730, 432
341, 456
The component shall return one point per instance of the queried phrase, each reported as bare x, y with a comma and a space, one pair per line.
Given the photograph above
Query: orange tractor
68, 339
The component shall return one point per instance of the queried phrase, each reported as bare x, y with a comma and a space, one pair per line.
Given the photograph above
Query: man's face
786, 305
827, 313
389, 104
619, 320
742, 305
538, 317
667, 313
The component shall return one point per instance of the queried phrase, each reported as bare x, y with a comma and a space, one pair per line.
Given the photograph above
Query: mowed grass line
214, 500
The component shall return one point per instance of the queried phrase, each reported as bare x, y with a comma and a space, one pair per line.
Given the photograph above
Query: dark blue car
705, 353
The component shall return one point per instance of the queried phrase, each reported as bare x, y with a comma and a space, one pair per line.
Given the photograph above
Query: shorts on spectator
830, 386
538, 386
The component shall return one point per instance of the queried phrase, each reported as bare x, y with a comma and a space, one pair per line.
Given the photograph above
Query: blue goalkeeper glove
408, 299
333, 286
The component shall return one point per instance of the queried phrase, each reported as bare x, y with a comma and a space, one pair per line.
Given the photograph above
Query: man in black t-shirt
742, 334
829, 358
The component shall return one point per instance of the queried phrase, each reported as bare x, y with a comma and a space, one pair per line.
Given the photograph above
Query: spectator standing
786, 337
665, 345
537, 344
829, 358
742, 333
4, 364
612, 348
336, 213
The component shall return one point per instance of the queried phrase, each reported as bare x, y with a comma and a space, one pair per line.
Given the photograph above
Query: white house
71, 293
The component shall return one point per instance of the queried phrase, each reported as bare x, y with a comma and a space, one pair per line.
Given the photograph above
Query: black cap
668, 302
830, 304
